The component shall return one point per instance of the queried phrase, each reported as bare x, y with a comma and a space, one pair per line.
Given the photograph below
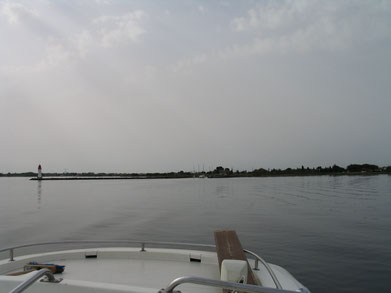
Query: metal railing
222, 284
43, 272
142, 245
269, 269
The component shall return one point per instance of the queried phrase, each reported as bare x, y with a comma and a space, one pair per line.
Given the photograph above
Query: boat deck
140, 273
127, 268
133, 270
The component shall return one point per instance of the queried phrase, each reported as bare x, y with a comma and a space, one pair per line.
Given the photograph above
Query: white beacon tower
39, 176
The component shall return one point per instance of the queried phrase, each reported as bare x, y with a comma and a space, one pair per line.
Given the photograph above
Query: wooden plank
228, 247
20, 273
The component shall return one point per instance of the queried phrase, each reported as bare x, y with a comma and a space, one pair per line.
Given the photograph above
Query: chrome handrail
269, 269
107, 242
221, 284
142, 245
43, 272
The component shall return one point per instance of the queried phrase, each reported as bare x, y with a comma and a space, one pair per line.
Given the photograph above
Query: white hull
110, 270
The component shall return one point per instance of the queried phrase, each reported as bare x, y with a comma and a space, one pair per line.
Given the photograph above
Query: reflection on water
326, 230
39, 193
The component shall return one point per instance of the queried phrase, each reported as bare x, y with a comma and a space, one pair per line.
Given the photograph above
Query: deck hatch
91, 254
195, 257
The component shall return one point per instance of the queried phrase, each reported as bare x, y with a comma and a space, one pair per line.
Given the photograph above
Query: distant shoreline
218, 172
59, 178
101, 178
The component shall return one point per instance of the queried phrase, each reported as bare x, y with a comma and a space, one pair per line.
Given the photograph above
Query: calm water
332, 233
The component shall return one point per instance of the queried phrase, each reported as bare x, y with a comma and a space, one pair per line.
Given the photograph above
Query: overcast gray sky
140, 86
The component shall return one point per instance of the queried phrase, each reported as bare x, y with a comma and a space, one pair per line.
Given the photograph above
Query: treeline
353, 169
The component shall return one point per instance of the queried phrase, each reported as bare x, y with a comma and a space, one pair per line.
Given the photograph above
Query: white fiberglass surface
156, 274
122, 266
143, 273
140, 273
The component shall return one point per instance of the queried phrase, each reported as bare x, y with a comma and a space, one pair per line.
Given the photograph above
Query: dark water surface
331, 233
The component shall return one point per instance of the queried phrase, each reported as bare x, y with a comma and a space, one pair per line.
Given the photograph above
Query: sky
156, 86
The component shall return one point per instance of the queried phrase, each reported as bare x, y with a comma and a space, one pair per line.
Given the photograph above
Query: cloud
67, 48
319, 36
185, 65
202, 9
15, 13
82, 42
283, 27
56, 54
311, 25
273, 15
102, 2
114, 30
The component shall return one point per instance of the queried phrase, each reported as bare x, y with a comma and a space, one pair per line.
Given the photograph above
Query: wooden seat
228, 247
